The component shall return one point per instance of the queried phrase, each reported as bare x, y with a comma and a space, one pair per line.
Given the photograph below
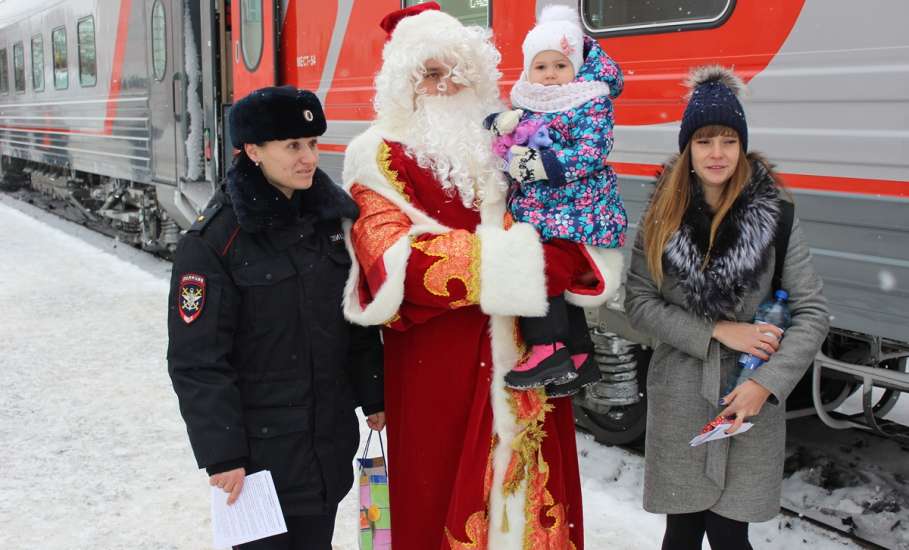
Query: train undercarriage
128, 211
614, 410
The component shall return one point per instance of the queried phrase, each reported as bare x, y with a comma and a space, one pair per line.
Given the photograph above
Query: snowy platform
96, 454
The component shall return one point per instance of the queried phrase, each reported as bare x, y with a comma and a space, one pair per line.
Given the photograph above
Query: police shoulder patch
191, 296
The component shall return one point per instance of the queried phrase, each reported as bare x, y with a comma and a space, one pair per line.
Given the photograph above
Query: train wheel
617, 424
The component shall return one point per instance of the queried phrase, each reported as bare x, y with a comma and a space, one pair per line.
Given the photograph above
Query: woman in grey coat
703, 262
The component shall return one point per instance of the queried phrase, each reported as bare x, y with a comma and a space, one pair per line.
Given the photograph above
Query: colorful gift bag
375, 514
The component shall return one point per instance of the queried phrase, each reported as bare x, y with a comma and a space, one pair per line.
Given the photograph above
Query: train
117, 111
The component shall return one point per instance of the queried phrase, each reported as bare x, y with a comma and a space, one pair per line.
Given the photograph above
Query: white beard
446, 135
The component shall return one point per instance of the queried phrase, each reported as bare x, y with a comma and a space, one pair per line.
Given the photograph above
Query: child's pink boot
546, 363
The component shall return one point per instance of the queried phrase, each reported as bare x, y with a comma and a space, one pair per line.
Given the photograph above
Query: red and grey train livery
117, 108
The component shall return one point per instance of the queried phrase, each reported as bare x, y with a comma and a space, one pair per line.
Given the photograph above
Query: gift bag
375, 515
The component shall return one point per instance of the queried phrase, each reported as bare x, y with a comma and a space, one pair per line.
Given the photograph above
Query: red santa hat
390, 21
420, 30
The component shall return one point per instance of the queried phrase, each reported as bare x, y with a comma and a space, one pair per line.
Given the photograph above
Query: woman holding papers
266, 369
703, 261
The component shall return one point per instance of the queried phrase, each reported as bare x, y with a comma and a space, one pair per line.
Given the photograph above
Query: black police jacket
266, 369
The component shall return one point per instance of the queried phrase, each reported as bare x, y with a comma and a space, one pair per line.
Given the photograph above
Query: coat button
293, 356
265, 430
268, 276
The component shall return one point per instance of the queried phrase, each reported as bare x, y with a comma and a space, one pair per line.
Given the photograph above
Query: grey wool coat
738, 477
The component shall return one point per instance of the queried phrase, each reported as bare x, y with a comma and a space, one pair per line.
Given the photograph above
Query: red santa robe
472, 464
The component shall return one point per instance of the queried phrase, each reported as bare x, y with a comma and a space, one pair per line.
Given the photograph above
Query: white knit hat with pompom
559, 29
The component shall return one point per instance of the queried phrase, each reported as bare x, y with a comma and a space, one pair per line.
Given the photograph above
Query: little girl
567, 191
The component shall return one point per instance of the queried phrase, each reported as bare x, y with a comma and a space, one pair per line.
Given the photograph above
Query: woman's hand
230, 481
376, 421
758, 339
745, 401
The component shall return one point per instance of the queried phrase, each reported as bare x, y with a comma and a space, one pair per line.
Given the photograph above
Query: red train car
118, 107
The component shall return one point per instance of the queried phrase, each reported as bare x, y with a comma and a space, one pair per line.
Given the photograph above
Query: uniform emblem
307, 114
191, 297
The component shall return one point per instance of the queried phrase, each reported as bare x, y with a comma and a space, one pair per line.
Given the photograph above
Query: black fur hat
275, 113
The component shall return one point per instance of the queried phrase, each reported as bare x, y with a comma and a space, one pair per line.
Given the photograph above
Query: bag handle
369, 439
781, 242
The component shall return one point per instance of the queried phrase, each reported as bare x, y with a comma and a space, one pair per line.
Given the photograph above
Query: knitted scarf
553, 99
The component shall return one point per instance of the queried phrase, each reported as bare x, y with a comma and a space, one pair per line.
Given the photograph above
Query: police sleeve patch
191, 296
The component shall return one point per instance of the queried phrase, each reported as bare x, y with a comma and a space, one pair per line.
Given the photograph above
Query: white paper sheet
255, 515
719, 432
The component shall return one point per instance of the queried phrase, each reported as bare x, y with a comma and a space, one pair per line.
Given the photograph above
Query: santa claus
472, 464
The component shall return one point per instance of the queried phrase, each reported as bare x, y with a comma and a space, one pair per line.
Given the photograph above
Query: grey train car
101, 106
116, 109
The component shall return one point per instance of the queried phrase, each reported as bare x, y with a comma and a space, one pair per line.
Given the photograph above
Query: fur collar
260, 206
741, 248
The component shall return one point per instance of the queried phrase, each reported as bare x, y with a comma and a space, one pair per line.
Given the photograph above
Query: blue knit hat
713, 100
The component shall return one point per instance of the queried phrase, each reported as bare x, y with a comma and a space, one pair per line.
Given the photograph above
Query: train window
38, 63
4, 72
251, 32
159, 40
88, 63
468, 12
61, 68
19, 66
634, 17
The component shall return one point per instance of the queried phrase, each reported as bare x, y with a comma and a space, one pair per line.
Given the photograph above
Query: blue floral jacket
579, 201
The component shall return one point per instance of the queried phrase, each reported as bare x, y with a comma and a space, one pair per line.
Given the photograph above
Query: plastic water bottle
773, 312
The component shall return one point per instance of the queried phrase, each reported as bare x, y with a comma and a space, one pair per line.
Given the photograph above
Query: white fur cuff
512, 276
388, 299
608, 264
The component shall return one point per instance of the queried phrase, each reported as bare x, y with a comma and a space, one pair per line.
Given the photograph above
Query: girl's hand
744, 402
230, 481
506, 121
376, 421
526, 165
758, 339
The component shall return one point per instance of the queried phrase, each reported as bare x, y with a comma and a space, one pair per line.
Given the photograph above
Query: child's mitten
526, 165
506, 121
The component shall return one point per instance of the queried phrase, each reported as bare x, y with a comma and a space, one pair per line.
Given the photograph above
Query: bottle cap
781, 295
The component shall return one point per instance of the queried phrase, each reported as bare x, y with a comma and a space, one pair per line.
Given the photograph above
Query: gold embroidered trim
458, 254
536, 535
477, 530
529, 409
394, 319
384, 161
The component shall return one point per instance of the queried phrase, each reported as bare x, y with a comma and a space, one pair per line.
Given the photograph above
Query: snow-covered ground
95, 451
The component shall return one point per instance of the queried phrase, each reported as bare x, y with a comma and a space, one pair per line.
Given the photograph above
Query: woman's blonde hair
673, 195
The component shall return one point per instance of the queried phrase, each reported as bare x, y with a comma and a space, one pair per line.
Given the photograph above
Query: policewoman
266, 369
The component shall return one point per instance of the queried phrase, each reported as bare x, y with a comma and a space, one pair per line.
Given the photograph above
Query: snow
899, 413
96, 454
887, 280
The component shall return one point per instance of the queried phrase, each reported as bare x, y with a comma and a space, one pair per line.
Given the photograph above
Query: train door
254, 31
164, 77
